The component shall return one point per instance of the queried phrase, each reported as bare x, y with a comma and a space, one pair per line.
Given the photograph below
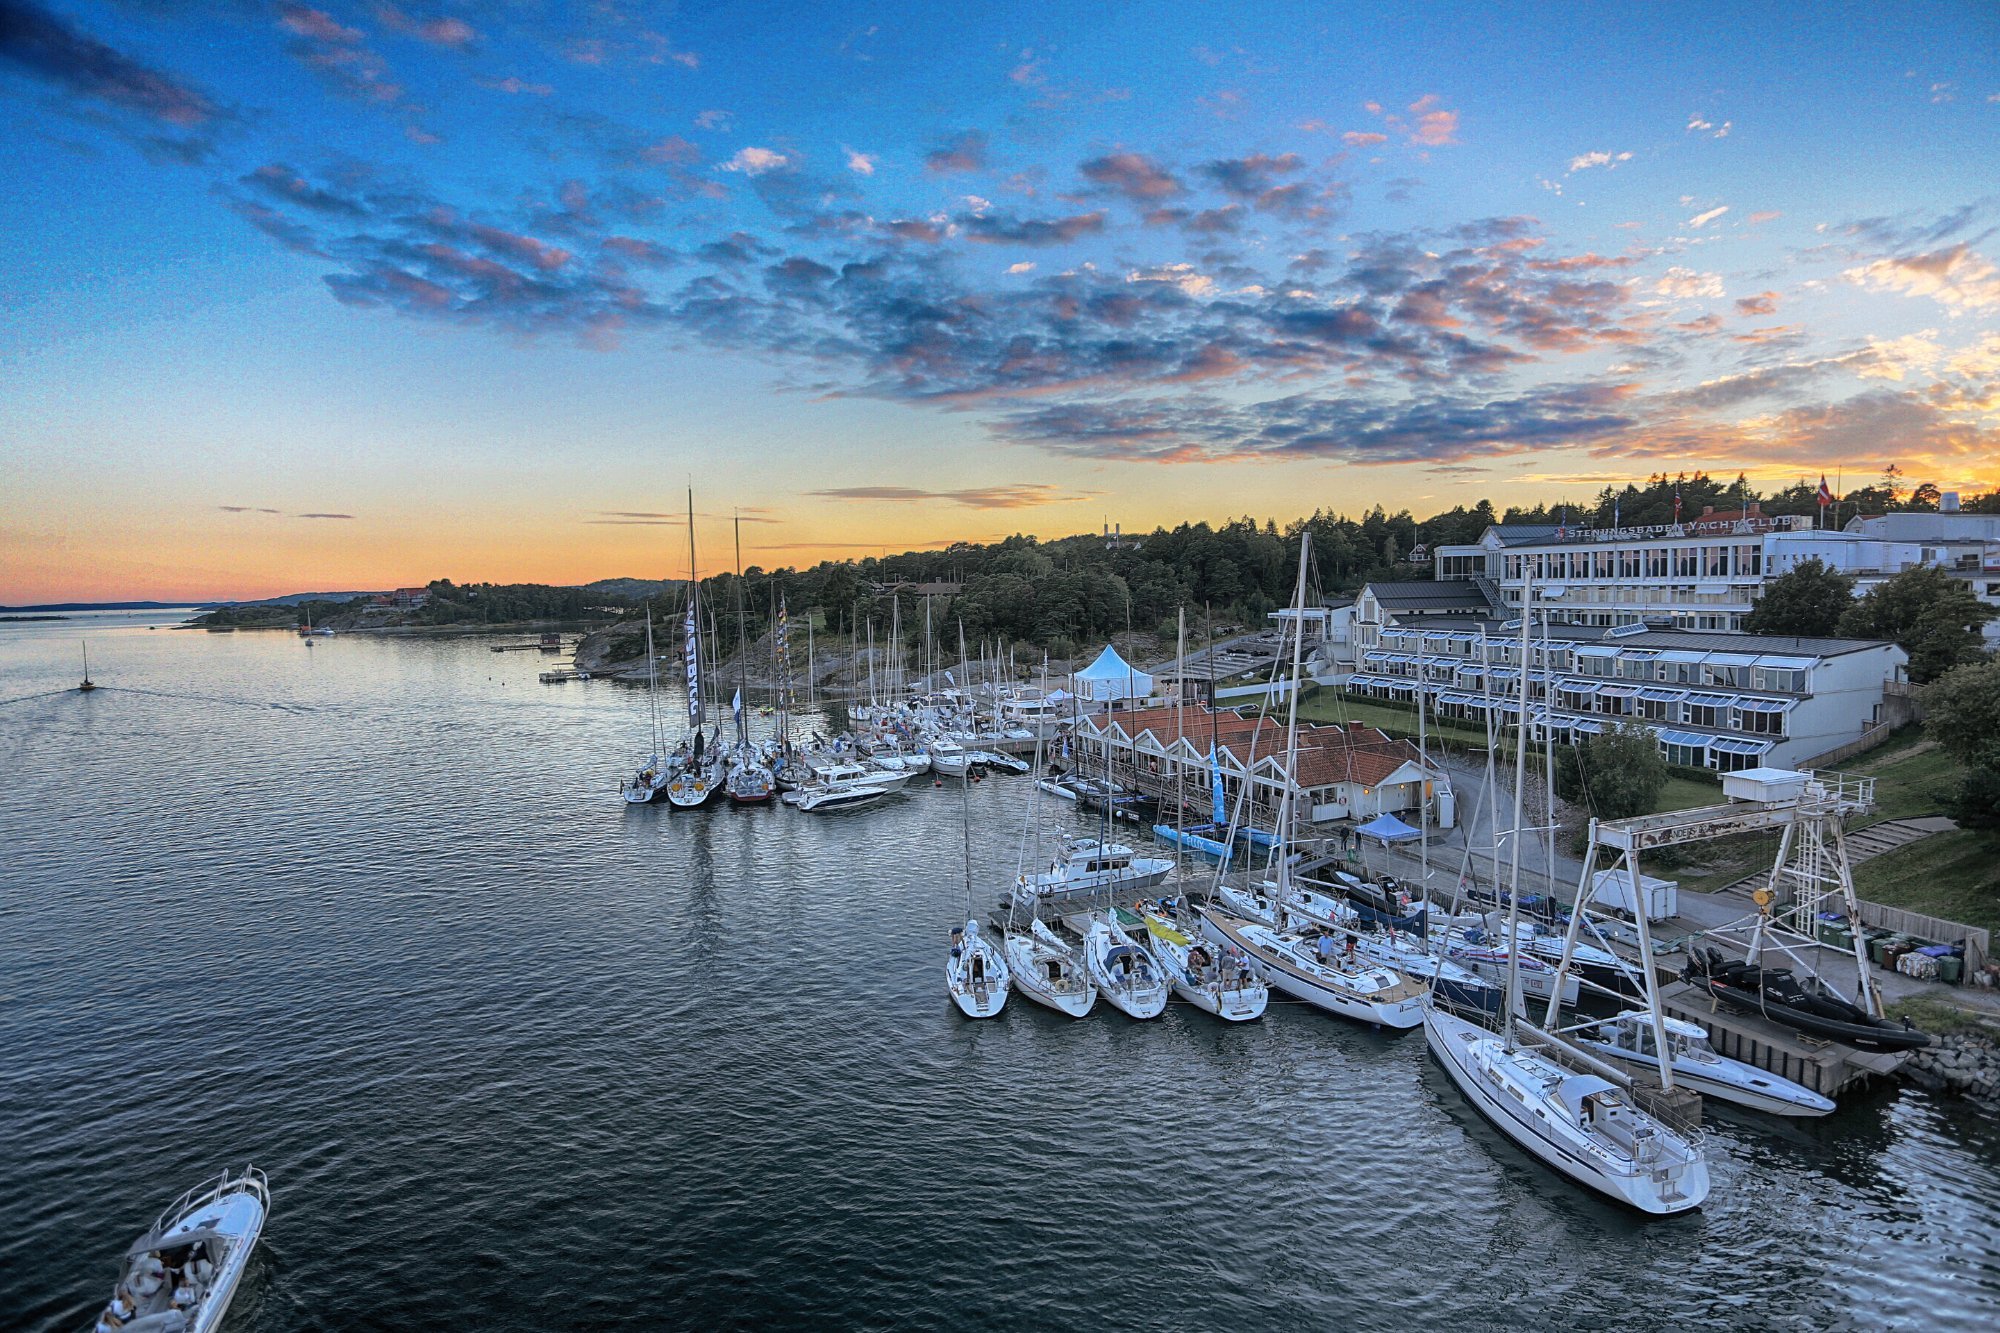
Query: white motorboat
976, 973
1324, 978
1628, 1039
1213, 980
827, 797
1124, 970
1038, 716
950, 758
863, 774
996, 762
1049, 972
1579, 1124
180, 1275
1086, 866
1057, 788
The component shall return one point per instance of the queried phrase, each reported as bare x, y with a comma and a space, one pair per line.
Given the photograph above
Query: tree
1809, 600
1962, 713
1615, 774
1932, 615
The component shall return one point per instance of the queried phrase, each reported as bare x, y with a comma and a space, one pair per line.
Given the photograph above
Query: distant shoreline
11, 620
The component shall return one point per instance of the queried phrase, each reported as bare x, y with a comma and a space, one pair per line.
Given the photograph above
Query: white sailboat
180, 1276
1123, 969
700, 779
652, 777
976, 973
1582, 1124
1215, 981
1048, 971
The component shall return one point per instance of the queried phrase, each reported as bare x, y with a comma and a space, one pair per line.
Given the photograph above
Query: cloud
1133, 175
1363, 138
514, 86
965, 151
346, 516
1697, 125
455, 33
1955, 277
1025, 266
1249, 177
45, 46
245, 509
861, 164
281, 182
756, 161
1006, 229
1018, 495
1686, 284
1434, 125
1585, 161
715, 122
1763, 303
1765, 215
1700, 220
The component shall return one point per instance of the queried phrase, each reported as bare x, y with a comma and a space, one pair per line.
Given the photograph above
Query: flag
692, 649
1614, 513
736, 709
1677, 500
1825, 495
948, 680
781, 636
1221, 811
1161, 930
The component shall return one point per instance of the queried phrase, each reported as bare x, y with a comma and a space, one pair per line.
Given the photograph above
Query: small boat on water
950, 758
1628, 1039
1215, 981
180, 1275
1048, 971
1776, 994
826, 797
1581, 1125
997, 762
1407, 952
1124, 970
976, 973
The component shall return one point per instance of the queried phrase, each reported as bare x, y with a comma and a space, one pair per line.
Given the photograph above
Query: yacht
1212, 980
181, 1274
1628, 1039
1479, 952
950, 758
976, 974
1323, 977
1405, 951
1086, 866
846, 792
1049, 972
1579, 1124
1124, 970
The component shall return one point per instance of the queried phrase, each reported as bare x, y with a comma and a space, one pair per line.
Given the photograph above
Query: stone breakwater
1965, 1063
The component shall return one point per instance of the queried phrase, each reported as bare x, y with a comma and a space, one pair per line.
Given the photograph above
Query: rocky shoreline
1965, 1063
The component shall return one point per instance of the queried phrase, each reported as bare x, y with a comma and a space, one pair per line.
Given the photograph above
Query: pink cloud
1363, 138
1435, 126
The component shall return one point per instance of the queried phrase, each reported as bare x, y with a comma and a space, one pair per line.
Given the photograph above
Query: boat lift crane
1811, 867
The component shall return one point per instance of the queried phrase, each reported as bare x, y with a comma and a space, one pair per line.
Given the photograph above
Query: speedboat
180, 1275
1124, 970
1049, 972
950, 758
997, 762
976, 973
1628, 1039
1213, 980
1297, 965
1579, 1124
862, 774
1086, 866
842, 793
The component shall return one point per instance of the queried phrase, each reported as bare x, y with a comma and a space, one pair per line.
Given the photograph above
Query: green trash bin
1875, 943
1843, 938
1950, 968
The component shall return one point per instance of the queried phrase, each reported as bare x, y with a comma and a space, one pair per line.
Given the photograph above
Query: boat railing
211, 1190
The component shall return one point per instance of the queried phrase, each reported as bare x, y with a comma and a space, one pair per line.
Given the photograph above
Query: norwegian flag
1825, 495
1677, 500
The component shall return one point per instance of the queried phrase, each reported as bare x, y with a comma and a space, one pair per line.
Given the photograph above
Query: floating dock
563, 675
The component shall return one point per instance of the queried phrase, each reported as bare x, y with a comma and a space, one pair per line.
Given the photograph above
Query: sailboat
749, 782
88, 684
1215, 981
788, 771
700, 778
1049, 971
1583, 1124
652, 777
1123, 969
975, 973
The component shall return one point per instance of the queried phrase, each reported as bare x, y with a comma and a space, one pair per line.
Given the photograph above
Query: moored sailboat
1123, 969
1049, 971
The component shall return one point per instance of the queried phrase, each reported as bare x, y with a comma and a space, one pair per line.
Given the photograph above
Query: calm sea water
370, 915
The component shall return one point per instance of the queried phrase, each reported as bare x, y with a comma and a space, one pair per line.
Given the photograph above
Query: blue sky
491, 283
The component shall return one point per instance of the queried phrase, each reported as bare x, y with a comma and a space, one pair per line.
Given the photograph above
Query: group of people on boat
160, 1293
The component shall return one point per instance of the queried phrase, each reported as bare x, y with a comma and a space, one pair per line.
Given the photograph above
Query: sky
358, 295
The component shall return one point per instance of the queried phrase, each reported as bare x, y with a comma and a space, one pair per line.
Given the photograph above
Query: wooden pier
562, 675
1827, 1067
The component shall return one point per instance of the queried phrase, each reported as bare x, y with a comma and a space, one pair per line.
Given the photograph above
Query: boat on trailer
180, 1276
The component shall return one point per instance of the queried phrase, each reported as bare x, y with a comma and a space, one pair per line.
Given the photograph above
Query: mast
871, 662
692, 636
1424, 794
653, 681
1514, 837
1286, 804
742, 640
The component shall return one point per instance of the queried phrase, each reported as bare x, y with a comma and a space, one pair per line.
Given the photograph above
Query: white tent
1112, 677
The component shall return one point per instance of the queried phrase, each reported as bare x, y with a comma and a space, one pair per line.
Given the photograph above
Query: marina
605, 1015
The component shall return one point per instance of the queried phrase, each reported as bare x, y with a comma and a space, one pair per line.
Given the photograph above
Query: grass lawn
1953, 875
1912, 776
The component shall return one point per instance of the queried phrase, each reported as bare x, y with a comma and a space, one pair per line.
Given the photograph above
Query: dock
1826, 1067
563, 675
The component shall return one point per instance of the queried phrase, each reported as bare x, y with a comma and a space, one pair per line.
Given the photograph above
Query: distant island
8, 620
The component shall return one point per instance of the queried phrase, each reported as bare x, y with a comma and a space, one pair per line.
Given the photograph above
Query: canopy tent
1112, 677
1387, 828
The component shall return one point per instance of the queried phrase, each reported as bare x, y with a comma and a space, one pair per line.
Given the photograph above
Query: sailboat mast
1514, 837
652, 680
693, 646
742, 639
1286, 805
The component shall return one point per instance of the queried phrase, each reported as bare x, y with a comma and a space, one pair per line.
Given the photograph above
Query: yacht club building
1713, 700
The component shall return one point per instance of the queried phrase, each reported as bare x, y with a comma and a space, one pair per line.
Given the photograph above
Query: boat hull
1779, 1096
1450, 1041
1401, 1011
1859, 1035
